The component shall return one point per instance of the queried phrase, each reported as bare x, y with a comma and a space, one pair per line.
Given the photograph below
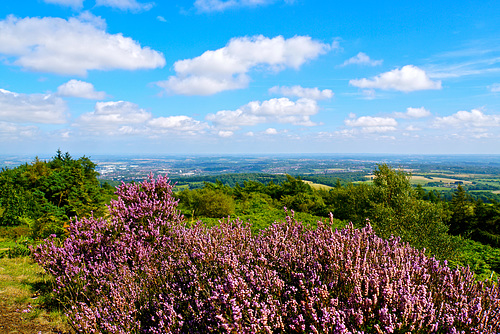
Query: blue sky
249, 76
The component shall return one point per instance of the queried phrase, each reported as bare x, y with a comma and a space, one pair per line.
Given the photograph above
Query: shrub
143, 270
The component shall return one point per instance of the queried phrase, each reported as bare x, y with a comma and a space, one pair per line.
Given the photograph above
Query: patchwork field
420, 179
317, 186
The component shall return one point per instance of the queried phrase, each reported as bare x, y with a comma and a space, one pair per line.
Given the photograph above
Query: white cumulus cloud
414, 113
127, 118
280, 110
225, 134
177, 124
114, 117
362, 59
227, 67
301, 92
72, 46
271, 131
407, 79
369, 124
31, 108
465, 119
77, 88
11, 131
412, 128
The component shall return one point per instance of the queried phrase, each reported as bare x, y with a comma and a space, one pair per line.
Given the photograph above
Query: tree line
45, 195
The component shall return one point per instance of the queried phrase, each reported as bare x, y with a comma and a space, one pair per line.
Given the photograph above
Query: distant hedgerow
143, 270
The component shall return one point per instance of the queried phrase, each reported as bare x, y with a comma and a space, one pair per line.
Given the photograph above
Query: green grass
5, 244
25, 286
16, 278
318, 186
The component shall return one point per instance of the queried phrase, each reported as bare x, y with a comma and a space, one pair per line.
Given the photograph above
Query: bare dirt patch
12, 320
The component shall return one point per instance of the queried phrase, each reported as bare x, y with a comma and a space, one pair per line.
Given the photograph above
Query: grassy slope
21, 282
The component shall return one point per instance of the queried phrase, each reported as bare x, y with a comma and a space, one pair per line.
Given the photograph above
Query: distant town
458, 168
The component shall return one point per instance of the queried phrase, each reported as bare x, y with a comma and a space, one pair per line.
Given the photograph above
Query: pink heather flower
143, 270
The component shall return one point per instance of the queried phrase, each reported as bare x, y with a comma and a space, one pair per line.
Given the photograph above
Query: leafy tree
398, 211
462, 212
393, 207
49, 193
351, 203
206, 202
486, 226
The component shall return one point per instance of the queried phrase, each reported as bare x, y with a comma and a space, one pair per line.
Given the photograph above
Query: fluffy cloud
77, 88
113, 118
412, 128
347, 133
195, 85
369, 124
177, 124
362, 59
132, 5
280, 110
33, 108
126, 118
407, 79
72, 46
225, 134
271, 131
227, 68
414, 113
298, 91
464, 119
70, 3
221, 5
495, 88
12, 131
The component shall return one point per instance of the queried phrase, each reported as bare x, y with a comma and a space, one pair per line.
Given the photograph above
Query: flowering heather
142, 270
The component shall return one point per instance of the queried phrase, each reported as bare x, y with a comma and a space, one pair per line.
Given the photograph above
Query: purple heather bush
143, 270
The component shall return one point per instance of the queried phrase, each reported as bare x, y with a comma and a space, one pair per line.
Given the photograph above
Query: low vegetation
150, 263
145, 270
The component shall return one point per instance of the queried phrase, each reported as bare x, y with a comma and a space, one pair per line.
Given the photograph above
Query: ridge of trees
45, 195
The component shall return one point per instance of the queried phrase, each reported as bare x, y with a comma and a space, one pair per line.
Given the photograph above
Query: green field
318, 186
25, 305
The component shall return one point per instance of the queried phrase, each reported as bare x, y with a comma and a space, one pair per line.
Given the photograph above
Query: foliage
231, 180
207, 202
143, 270
333, 180
474, 219
45, 195
483, 260
394, 207
19, 248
